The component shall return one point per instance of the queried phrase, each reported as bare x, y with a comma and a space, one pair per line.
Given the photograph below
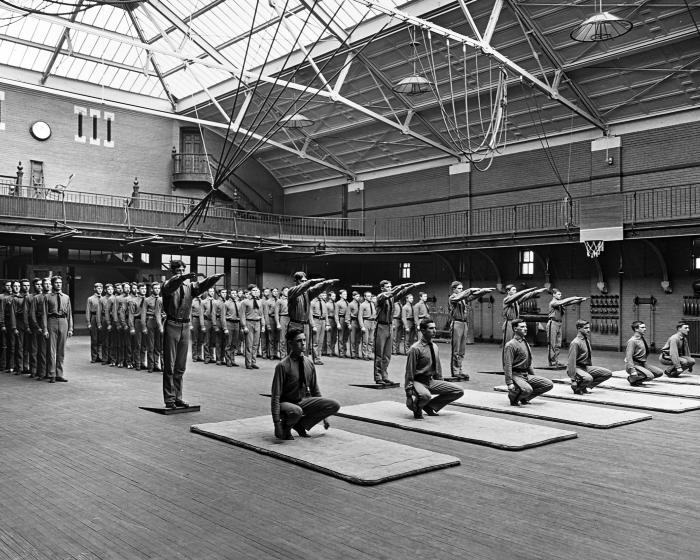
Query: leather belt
233, 320
56, 316
255, 320
380, 322
317, 317
178, 321
458, 321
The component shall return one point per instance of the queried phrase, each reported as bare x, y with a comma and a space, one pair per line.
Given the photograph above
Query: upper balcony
191, 171
149, 220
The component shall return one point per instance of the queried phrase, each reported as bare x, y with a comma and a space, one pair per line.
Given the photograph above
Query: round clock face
40, 130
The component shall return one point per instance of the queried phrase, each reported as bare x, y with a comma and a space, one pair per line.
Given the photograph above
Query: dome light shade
413, 85
601, 27
296, 120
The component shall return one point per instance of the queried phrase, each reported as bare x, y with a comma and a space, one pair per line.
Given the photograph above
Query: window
81, 113
108, 142
145, 258
166, 258
212, 265
527, 263
405, 271
242, 273
2, 110
94, 116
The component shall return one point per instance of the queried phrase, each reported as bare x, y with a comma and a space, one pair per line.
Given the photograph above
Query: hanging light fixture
296, 120
601, 27
415, 84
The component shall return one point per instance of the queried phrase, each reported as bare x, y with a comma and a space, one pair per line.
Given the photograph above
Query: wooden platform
550, 409
168, 411
627, 399
352, 457
86, 475
648, 388
492, 432
376, 385
685, 379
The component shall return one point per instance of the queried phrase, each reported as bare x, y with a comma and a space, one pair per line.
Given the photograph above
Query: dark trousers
343, 336
445, 392
590, 376
138, 345
459, 346
4, 337
308, 412
94, 340
176, 342
527, 387
154, 344
382, 351
19, 351
58, 334
396, 335
32, 342
273, 339
409, 337
220, 345
232, 341
355, 338
42, 346
106, 343
252, 342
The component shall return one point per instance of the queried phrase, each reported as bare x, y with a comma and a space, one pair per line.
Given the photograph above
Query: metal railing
165, 213
191, 163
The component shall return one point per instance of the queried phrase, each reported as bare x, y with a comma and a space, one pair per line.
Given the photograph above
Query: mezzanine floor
85, 474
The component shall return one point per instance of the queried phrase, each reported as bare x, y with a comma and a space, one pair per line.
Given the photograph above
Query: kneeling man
636, 356
584, 375
296, 399
523, 384
676, 354
424, 376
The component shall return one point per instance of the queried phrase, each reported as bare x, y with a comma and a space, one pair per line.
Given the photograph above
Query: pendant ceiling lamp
415, 84
601, 27
296, 120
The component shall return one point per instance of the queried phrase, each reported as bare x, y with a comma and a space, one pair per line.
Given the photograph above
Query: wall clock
40, 130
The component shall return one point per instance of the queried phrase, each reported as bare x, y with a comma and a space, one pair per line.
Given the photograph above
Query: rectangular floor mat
482, 430
649, 388
352, 457
550, 409
685, 379
620, 398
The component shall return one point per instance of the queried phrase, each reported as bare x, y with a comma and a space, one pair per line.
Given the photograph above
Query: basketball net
594, 248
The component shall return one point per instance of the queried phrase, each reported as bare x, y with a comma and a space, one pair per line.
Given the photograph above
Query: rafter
59, 45
156, 68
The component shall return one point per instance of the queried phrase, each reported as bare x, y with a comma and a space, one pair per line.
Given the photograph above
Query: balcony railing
191, 163
165, 213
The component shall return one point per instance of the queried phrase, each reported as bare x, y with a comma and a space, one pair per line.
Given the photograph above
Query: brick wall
142, 145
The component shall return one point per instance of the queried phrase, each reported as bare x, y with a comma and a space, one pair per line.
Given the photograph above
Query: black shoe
255, 366
381, 382
181, 404
300, 430
52, 380
170, 405
62, 380
463, 377
388, 381
418, 414
430, 411
524, 401
513, 398
158, 369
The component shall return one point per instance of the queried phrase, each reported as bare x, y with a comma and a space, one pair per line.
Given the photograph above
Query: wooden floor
84, 474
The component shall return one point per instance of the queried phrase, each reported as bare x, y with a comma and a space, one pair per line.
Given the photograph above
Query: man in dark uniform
382, 334
409, 323
457, 305
196, 329
123, 319
59, 328
154, 329
231, 327
252, 324
584, 375
511, 307
319, 316
557, 308
106, 340
117, 338
424, 376
523, 385
296, 402
8, 327
342, 322
208, 326
41, 326
92, 320
35, 330
20, 308
367, 319
137, 327
299, 299
353, 321
331, 325
282, 321
178, 292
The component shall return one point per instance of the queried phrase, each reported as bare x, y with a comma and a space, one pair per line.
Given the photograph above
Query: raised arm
518, 296
204, 285
320, 286
402, 289
296, 291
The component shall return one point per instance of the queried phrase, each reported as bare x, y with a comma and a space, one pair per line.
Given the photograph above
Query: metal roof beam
194, 15
59, 45
139, 32
488, 50
556, 60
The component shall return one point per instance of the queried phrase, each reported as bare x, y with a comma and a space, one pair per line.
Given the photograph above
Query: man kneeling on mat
676, 353
424, 376
523, 384
584, 375
296, 399
636, 356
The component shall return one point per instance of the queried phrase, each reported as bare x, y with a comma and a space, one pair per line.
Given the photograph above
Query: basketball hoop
594, 248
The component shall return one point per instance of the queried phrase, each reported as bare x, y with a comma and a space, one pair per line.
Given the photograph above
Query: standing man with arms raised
557, 307
178, 293
299, 299
457, 304
511, 307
